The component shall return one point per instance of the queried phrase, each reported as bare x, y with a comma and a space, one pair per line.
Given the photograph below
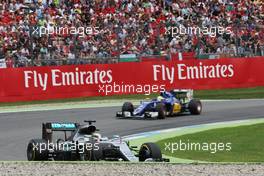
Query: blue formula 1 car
167, 104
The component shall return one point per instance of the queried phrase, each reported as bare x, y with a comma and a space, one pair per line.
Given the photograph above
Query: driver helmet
97, 136
160, 98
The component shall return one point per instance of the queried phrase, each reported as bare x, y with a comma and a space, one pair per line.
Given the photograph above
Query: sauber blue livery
166, 104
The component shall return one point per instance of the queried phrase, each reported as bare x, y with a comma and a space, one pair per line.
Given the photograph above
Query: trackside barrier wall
43, 83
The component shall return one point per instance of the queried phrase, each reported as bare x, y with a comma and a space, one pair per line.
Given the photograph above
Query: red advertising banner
43, 83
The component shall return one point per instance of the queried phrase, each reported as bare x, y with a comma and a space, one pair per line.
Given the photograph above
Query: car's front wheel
150, 151
161, 109
128, 106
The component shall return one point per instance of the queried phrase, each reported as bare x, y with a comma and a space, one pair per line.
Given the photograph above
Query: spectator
114, 27
71, 58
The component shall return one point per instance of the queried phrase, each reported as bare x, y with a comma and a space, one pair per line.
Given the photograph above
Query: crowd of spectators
115, 27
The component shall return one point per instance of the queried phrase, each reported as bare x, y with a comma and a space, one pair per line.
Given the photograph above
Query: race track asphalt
16, 129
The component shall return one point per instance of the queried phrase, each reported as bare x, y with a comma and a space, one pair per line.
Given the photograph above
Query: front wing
127, 114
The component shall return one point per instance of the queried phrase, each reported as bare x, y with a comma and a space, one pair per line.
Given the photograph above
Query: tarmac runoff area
19, 124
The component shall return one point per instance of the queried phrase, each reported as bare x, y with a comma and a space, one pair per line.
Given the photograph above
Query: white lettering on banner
204, 71
54, 77
38, 79
59, 78
161, 72
186, 72
166, 73
80, 77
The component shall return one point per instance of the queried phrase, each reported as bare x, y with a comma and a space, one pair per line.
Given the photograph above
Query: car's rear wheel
128, 106
195, 107
149, 151
161, 109
37, 150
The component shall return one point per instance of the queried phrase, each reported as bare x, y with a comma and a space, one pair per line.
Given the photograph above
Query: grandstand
100, 31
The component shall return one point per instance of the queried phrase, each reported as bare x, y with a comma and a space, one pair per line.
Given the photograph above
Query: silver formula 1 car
85, 144
168, 103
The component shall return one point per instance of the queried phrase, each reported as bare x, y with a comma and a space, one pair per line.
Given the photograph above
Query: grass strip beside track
157, 136
246, 144
243, 93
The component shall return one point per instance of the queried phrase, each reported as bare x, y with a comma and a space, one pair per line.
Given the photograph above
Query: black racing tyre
150, 150
161, 109
195, 107
128, 106
34, 152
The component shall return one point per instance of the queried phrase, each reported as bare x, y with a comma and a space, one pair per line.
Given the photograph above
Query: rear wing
183, 94
48, 128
